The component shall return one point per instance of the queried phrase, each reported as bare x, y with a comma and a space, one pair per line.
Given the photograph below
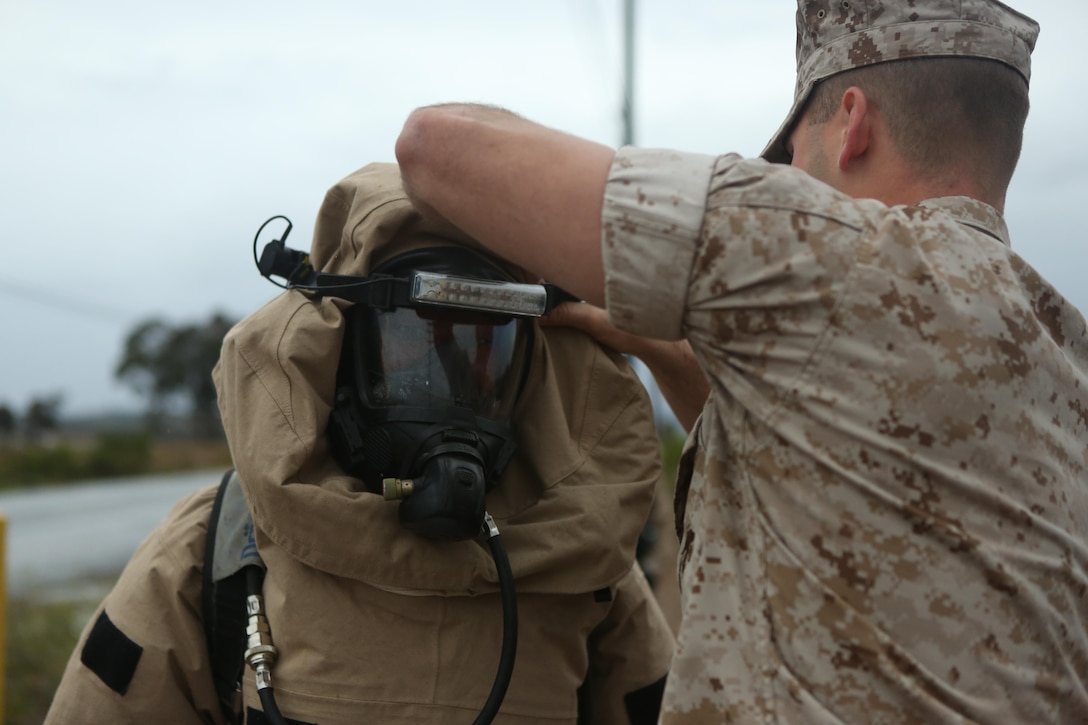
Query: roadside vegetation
41, 636
107, 455
167, 364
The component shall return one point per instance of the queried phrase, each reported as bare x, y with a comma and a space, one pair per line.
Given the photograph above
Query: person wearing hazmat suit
396, 611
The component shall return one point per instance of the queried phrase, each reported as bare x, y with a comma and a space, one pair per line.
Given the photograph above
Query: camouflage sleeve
653, 212
142, 657
748, 268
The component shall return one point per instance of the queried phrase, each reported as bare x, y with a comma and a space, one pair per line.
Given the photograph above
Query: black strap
224, 610
557, 296
380, 291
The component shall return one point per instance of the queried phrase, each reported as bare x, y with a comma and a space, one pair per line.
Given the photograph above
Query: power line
628, 111
63, 303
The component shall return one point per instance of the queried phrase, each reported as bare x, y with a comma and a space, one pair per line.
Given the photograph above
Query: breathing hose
261, 653
509, 623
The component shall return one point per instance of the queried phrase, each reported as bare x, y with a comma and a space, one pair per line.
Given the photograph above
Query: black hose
254, 580
509, 624
271, 710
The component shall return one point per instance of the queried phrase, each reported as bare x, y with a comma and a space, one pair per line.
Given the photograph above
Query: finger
564, 314
581, 316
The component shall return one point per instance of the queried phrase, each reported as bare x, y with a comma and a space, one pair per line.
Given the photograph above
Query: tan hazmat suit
373, 623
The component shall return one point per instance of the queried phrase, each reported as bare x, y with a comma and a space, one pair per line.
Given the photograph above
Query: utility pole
628, 72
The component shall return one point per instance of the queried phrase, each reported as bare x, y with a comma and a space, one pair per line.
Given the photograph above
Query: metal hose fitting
260, 652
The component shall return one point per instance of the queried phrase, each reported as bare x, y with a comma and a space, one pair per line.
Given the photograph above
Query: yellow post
3, 612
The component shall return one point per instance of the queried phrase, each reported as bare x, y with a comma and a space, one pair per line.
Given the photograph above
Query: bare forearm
527, 192
679, 377
672, 363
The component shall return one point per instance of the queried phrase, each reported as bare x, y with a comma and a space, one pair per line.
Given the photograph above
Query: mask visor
435, 359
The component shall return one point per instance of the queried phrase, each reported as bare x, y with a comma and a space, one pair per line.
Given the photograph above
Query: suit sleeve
143, 655
629, 656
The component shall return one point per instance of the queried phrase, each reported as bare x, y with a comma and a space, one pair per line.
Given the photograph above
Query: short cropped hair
942, 113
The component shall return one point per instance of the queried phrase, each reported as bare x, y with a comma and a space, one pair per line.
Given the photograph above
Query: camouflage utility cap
839, 35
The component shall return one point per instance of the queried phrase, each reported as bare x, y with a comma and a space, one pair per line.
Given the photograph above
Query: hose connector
260, 652
488, 527
397, 489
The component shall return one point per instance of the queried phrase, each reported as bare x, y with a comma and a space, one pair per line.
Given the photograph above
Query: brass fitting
396, 489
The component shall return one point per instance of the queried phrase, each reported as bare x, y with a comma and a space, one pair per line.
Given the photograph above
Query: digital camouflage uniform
883, 509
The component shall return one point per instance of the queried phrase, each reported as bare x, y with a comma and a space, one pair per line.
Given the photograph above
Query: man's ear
857, 132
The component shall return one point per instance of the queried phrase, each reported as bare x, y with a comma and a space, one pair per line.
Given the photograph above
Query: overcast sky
142, 144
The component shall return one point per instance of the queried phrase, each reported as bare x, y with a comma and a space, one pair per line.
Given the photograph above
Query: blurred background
142, 145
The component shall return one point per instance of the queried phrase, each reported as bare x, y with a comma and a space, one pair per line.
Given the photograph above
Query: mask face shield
436, 358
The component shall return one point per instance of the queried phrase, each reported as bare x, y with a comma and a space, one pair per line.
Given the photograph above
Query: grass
107, 456
184, 455
41, 635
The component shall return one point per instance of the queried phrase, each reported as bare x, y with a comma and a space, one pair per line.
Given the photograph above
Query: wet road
58, 536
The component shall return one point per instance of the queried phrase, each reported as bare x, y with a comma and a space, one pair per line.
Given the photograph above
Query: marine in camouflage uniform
885, 513
883, 508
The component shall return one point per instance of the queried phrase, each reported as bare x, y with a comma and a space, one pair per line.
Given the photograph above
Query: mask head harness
435, 352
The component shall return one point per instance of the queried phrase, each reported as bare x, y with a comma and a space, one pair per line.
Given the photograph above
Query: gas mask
425, 391
435, 352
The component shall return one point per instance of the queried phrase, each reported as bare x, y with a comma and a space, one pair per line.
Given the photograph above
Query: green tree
7, 421
42, 414
172, 367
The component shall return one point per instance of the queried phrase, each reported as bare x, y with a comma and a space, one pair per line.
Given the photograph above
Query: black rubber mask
425, 397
